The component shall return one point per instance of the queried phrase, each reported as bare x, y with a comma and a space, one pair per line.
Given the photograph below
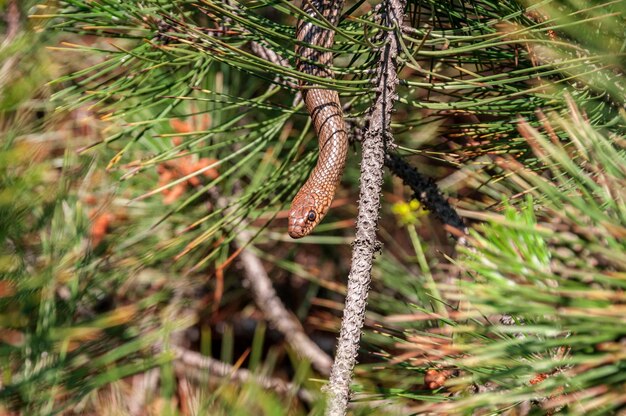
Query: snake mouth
296, 234
296, 230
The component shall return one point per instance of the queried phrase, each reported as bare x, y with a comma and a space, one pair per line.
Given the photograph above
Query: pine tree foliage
203, 136
472, 68
537, 318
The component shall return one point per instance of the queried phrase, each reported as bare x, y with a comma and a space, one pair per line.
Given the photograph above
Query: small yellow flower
409, 213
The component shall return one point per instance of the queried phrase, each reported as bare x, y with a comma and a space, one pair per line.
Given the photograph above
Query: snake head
303, 217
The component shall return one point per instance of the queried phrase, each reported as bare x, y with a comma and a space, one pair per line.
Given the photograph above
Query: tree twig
268, 302
273, 309
187, 361
366, 244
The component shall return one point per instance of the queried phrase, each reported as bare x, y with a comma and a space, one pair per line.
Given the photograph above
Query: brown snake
313, 199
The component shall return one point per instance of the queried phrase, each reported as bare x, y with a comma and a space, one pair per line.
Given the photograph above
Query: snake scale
313, 199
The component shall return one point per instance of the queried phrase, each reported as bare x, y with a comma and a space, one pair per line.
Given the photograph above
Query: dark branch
425, 190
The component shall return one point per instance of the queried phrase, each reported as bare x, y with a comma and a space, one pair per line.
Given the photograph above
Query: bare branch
193, 364
268, 54
274, 57
275, 312
376, 139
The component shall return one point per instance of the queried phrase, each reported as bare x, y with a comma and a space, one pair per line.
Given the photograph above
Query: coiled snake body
313, 200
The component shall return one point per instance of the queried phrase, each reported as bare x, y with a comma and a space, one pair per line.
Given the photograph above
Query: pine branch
377, 138
424, 189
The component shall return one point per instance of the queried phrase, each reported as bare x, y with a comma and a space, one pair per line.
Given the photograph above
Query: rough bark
376, 139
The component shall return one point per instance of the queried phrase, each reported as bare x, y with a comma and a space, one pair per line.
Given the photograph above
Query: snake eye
311, 216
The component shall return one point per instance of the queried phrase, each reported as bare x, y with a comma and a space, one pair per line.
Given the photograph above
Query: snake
313, 57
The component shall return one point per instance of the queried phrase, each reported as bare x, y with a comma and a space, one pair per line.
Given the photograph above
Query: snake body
313, 199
